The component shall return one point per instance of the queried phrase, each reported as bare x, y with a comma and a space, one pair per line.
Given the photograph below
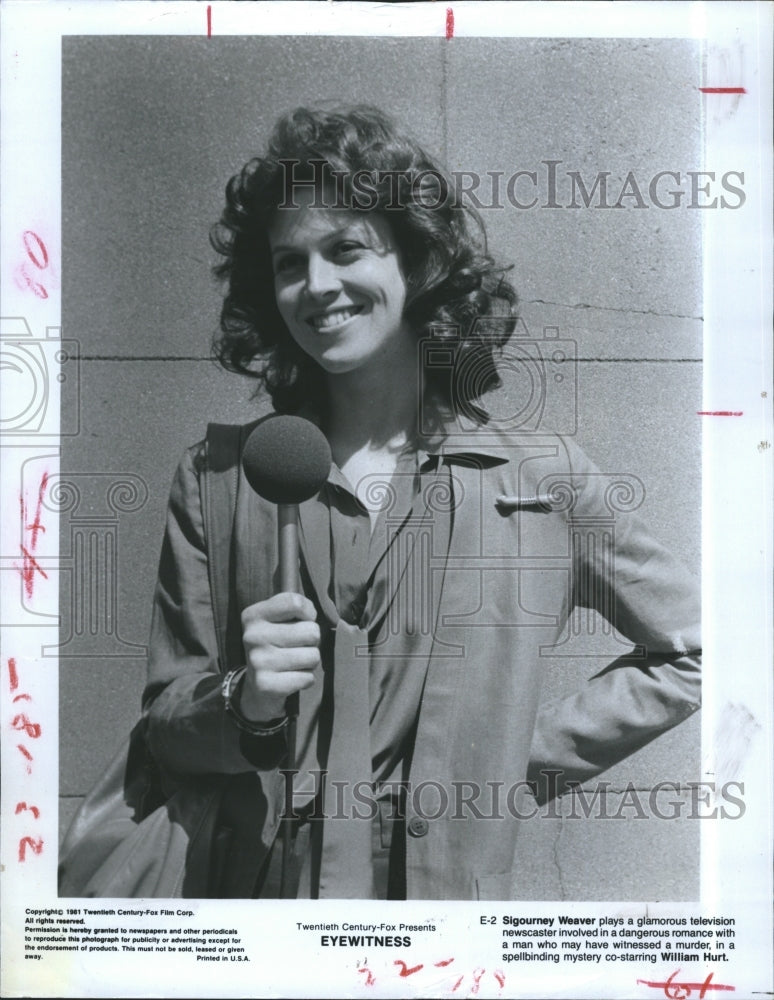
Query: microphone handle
287, 539
287, 544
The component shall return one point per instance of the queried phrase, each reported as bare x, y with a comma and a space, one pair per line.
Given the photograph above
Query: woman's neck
374, 411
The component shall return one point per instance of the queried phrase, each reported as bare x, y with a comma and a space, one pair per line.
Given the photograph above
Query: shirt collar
408, 463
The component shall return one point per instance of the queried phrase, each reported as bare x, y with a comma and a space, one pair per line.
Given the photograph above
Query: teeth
330, 319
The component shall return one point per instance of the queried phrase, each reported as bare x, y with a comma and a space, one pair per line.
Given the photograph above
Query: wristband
229, 688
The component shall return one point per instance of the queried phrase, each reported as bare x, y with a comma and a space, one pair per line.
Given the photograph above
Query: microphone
286, 460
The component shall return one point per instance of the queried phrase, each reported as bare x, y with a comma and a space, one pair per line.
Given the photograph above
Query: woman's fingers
274, 659
264, 633
281, 639
273, 684
284, 607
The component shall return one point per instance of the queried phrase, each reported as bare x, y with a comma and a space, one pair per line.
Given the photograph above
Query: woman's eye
348, 247
285, 264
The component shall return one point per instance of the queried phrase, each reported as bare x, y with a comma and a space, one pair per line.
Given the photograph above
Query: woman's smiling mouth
333, 318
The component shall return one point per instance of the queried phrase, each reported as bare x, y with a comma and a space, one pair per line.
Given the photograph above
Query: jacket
537, 533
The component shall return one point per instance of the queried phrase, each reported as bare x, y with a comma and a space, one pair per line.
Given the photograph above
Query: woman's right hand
282, 643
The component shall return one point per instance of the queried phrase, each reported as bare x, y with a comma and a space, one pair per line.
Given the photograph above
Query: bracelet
228, 689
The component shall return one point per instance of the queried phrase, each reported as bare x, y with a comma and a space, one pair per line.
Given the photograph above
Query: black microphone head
286, 459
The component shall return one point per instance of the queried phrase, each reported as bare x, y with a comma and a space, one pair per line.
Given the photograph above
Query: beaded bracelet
228, 689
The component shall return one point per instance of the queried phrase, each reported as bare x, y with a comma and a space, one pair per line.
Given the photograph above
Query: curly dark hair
455, 290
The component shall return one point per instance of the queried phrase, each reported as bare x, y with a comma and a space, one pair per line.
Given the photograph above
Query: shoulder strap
219, 485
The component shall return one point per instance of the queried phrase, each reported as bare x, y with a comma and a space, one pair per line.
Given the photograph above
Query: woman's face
340, 287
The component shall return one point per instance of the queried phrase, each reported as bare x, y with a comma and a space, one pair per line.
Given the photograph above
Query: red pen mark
37, 524
722, 90
469, 983
31, 531
35, 845
13, 677
35, 248
29, 568
720, 413
680, 991
38, 256
21, 806
449, 24
370, 979
209, 21
405, 971
478, 975
22, 723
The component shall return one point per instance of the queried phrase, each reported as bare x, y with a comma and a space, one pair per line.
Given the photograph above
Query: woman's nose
321, 277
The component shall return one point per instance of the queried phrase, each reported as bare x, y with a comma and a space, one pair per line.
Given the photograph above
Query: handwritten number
36, 846
28, 236
38, 256
22, 806
406, 971
32, 729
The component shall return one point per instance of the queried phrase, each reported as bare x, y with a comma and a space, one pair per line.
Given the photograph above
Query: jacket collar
453, 441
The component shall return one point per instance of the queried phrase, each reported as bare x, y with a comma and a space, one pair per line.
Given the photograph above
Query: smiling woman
308, 182
341, 290
443, 555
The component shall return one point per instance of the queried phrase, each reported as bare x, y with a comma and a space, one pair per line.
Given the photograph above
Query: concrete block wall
151, 130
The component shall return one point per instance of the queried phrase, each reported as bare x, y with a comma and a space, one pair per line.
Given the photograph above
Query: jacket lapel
315, 544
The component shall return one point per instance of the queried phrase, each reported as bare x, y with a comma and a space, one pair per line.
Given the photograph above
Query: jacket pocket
492, 888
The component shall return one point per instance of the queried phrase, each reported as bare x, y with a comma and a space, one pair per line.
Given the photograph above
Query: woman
440, 560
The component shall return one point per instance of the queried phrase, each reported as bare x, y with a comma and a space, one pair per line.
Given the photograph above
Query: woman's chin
334, 363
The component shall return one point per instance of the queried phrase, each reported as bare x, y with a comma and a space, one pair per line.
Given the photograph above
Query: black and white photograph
365, 427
